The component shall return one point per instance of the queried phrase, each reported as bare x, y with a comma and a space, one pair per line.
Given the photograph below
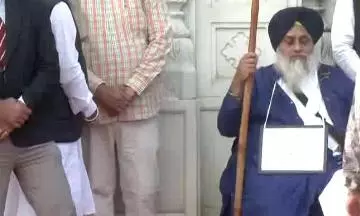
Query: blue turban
281, 23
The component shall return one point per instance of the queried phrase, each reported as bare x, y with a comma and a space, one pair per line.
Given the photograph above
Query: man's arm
342, 38
108, 98
228, 120
94, 81
351, 158
72, 77
159, 30
351, 161
47, 70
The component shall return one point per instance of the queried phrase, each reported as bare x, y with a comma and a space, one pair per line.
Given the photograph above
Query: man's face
296, 57
297, 43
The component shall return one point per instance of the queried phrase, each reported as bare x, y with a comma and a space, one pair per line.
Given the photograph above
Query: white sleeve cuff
21, 100
93, 118
90, 110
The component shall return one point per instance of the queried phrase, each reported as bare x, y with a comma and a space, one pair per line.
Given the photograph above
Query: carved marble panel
222, 38
230, 42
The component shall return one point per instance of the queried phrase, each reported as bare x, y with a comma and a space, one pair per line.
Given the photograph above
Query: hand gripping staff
243, 132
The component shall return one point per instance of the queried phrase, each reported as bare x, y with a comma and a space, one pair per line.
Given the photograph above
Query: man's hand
128, 93
245, 68
5, 130
111, 99
247, 65
353, 204
13, 113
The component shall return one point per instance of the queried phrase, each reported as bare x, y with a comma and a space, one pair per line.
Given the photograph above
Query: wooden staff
243, 132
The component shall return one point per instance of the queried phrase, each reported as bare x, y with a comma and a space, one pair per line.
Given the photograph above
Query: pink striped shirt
126, 42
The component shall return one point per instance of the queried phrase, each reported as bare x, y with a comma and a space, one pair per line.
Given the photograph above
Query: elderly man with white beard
297, 92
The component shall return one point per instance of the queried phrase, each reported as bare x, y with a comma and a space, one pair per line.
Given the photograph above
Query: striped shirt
126, 42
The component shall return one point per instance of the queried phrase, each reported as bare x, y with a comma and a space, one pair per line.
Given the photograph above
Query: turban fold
285, 19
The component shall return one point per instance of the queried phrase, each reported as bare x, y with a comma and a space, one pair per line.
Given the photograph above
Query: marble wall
326, 8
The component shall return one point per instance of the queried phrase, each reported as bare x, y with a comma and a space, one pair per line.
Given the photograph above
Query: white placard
293, 149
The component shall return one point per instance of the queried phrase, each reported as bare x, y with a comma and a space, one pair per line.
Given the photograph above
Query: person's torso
117, 37
24, 22
336, 92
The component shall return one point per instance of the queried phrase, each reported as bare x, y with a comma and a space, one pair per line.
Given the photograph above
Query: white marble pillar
326, 9
180, 73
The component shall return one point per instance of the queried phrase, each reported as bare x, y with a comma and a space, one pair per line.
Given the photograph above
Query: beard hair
294, 70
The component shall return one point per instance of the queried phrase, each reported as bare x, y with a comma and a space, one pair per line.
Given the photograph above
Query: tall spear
243, 132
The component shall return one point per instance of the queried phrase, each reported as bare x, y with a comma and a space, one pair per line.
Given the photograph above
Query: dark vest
78, 43
356, 45
52, 118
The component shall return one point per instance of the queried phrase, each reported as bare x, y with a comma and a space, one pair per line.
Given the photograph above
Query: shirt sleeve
72, 77
342, 38
159, 31
228, 121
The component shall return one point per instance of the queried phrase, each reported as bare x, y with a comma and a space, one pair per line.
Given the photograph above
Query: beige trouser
135, 145
41, 176
77, 177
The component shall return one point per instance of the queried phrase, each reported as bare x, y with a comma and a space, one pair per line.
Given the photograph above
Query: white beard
295, 70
